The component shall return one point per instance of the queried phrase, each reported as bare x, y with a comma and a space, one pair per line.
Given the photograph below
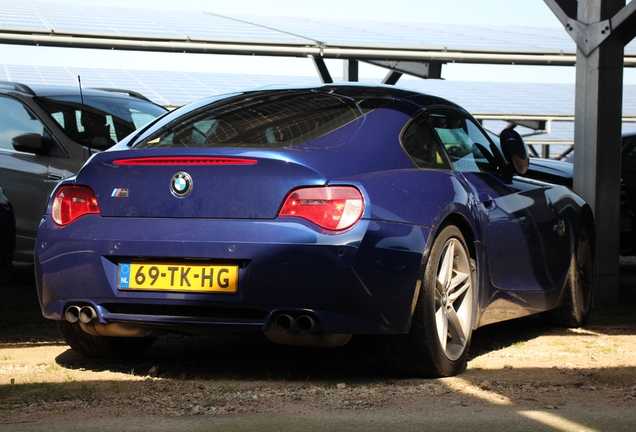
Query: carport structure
600, 28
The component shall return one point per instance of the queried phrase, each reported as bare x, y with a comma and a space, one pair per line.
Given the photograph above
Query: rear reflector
333, 208
185, 160
72, 202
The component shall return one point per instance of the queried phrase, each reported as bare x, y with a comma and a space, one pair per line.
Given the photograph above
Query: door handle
486, 200
55, 177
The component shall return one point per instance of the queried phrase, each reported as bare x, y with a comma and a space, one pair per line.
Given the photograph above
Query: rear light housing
72, 202
334, 208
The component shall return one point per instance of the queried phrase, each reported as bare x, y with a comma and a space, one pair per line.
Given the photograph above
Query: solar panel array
121, 21
178, 88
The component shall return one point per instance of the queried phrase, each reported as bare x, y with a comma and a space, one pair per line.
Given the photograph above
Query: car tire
437, 344
102, 346
579, 287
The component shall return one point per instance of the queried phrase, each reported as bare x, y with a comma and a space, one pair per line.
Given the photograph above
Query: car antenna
82, 109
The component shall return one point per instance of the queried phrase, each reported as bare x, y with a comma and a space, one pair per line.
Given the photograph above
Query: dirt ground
520, 374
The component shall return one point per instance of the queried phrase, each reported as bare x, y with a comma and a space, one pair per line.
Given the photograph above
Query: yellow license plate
178, 277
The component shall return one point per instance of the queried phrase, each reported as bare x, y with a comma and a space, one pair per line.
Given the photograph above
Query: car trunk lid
147, 184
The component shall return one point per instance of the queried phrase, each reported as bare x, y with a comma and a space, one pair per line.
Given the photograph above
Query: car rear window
262, 120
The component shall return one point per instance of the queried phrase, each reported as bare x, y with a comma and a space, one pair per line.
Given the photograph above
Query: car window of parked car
464, 142
262, 121
99, 122
16, 120
422, 145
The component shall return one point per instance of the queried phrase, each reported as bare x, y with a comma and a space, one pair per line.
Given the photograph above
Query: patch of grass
70, 377
605, 349
86, 392
54, 368
38, 392
159, 386
557, 343
228, 390
44, 392
116, 386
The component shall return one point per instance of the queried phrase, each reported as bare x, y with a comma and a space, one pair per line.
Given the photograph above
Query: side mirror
515, 151
29, 143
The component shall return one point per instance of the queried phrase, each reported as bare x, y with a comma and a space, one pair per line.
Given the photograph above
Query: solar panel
177, 88
86, 18
484, 97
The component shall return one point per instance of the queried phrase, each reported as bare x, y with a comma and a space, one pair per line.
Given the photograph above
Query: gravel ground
521, 375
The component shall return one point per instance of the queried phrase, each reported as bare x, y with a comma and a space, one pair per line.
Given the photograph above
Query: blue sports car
311, 215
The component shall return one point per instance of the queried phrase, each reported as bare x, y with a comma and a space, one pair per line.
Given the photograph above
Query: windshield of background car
263, 120
100, 121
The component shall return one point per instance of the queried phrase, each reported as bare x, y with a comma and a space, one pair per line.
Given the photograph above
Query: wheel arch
466, 229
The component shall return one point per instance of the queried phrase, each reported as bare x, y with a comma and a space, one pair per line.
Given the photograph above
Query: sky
533, 13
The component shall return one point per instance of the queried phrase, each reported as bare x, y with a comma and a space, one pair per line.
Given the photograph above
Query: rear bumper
361, 281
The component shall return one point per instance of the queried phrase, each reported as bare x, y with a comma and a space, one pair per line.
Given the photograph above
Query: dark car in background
546, 171
7, 237
628, 169
47, 133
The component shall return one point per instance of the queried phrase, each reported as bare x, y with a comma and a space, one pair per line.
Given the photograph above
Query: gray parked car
47, 133
7, 237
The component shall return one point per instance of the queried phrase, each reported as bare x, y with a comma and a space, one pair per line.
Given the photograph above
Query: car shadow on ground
252, 357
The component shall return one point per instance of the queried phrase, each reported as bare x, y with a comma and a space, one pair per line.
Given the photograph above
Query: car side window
422, 145
16, 120
464, 142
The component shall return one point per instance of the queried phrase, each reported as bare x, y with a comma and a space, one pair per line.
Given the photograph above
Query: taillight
333, 208
71, 202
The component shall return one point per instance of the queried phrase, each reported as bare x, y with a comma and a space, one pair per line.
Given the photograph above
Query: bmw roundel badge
181, 184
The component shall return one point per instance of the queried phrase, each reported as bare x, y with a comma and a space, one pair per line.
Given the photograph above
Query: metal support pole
597, 134
351, 70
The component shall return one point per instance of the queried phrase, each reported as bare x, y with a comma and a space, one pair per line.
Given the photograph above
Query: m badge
119, 193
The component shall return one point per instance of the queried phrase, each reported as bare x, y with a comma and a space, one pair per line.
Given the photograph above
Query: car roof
353, 90
48, 91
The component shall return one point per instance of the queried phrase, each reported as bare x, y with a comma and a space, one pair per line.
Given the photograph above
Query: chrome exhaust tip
285, 323
87, 314
306, 324
72, 314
